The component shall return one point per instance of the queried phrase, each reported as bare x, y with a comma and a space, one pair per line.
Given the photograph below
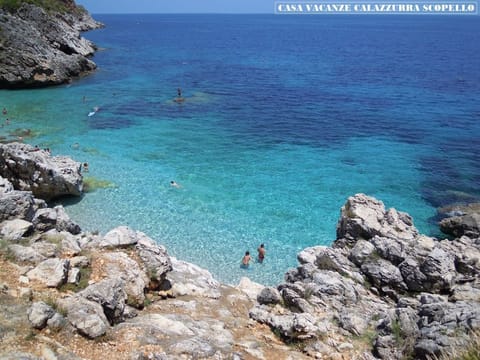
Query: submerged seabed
284, 118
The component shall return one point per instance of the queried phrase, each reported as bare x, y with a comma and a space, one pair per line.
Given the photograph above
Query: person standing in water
261, 253
246, 260
179, 98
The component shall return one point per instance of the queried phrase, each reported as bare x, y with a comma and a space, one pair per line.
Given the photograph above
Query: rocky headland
42, 47
382, 290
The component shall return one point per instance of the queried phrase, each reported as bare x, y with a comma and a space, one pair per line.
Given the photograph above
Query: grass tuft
471, 351
82, 283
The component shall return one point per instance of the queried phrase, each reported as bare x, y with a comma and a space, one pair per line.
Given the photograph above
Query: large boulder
39, 314
439, 268
413, 277
122, 236
51, 272
190, 279
25, 254
118, 265
109, 293
14, 230
31, 169
154, 257
363, 217
85, 315
15, 204
461, 219
269, 295
47, 219
383, 273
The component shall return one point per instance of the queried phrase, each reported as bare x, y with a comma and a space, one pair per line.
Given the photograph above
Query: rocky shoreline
40, 48
382, 290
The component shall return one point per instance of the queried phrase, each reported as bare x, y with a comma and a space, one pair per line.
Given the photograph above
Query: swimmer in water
246, 260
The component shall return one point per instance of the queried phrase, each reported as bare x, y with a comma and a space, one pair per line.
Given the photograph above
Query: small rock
73, 276
25, 293
48, 354
14, 230
39, 313
79, 261
269, 295
121, 236
345, 347
56, 322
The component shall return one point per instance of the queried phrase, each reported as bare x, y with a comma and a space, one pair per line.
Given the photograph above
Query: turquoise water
284, 118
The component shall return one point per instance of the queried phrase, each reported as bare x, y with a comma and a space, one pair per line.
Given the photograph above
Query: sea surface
284, 118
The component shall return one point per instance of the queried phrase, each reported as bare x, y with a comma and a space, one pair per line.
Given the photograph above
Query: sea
284, 118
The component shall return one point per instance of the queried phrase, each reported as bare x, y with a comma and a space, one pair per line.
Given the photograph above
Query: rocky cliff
40, 48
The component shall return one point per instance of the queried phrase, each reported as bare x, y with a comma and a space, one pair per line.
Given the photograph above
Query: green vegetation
131, 301
50, 301
55, 239
397, 331
91, 184
472, 354
404, 342
6, 252
367, 338
468, 352
82, 283
152, 274
63, 6
147, 302
3, 246
309, 292
30, 336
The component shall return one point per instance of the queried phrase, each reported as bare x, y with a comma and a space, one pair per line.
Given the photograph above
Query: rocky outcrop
31, 169
411, 294
363, 217
461, 220
41, 49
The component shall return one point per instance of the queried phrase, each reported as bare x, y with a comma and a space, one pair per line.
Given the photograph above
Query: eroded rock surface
41, 49
35, 170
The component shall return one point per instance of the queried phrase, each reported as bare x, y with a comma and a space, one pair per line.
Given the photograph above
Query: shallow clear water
284, 118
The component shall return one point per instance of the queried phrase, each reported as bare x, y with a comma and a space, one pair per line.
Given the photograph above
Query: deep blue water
284, 118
